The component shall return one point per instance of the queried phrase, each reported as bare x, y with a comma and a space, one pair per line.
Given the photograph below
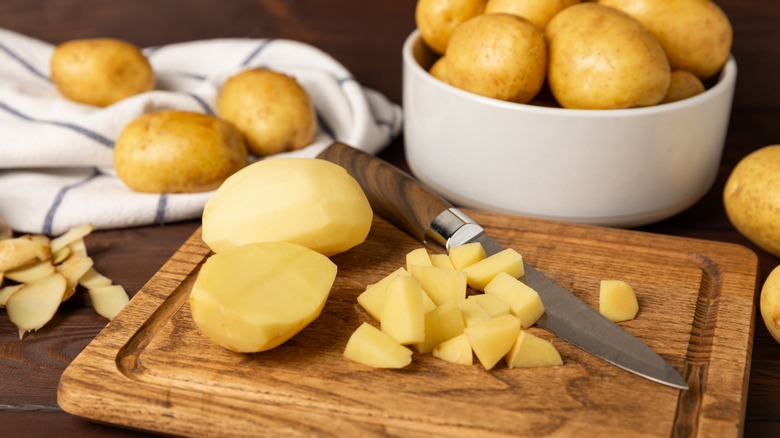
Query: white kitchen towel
56, 156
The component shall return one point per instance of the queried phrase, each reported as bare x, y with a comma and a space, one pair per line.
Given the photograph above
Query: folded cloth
56, 156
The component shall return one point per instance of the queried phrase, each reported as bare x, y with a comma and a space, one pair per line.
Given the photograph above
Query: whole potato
437, 19
601, 58
439, 69
769, 304
270, 108
696, 34
178, 152
683, 85
751, 198
100, 71
538, 12
501, 56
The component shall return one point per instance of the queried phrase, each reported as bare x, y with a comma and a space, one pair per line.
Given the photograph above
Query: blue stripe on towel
49, 220
75, 128
202, 103
263, 44
324, 126
24, 62
159, 216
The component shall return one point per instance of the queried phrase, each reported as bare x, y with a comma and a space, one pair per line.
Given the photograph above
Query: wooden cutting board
151, 368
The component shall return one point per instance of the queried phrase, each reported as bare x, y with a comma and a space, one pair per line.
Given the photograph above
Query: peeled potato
258, 296
307, 201
100, 71
270, 108
178, 152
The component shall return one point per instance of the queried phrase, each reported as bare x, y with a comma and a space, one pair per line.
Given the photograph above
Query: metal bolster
452, 228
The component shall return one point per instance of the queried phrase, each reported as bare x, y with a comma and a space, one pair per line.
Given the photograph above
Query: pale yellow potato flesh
72, 236
617, 300
257, 296
466, 255
31, 272
419, 257
472, 312
307, 201
482, 272
450, 319
441, 261
433, 333
7, 291
100, 71
19, 251
523, 301
92, 278
441, 284
456, 350
403, 317
370, 346
492, 339
372, 299
73, 268
531, 351
493, 305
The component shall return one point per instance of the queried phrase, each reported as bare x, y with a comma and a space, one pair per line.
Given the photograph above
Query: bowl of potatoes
603, 113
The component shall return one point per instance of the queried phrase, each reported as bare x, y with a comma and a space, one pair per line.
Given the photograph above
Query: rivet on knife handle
392, 196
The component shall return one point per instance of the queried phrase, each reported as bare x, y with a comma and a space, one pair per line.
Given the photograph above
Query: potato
770, 303
696, 34
172, 151
617, 300
370, 346
538, 12
532, 351
523, 301
403, 318
437, 19
466, 255
419, 257
751, 198
683, 85
439, 69
308, 201
492, 339
601, 58
100, 71
257, 296
501, 56
270, 108
482, 272
456, 350
441, 284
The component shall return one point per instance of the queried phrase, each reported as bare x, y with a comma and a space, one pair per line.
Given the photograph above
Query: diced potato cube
418, 256
373, 298
466, 255
523, 301
492, 339
450, 319
456, 350
403, 318
532, 351
370, 346
617, 300
433, 333
441, 261
472, 312
492, 304
440, 284
481, 272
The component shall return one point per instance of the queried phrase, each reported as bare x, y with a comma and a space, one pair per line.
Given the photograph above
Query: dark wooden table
366, 37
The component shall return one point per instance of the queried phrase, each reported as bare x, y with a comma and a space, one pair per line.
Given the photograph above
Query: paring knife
418, 210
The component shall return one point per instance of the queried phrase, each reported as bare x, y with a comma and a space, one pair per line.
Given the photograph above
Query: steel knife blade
400, 198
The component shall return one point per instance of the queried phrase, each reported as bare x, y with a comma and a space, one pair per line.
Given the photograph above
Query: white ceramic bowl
621, 168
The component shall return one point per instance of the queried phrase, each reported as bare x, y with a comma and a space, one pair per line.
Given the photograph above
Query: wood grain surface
366, 37
152, 369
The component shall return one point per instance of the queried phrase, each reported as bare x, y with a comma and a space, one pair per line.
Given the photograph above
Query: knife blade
400, 198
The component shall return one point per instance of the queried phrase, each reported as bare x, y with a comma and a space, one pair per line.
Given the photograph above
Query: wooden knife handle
394, 194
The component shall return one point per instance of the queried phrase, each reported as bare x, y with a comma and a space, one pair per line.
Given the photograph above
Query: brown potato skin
602, 58
100, 71
501, 56
270, 108
683, 85
437, 19
538, 12
178, 152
